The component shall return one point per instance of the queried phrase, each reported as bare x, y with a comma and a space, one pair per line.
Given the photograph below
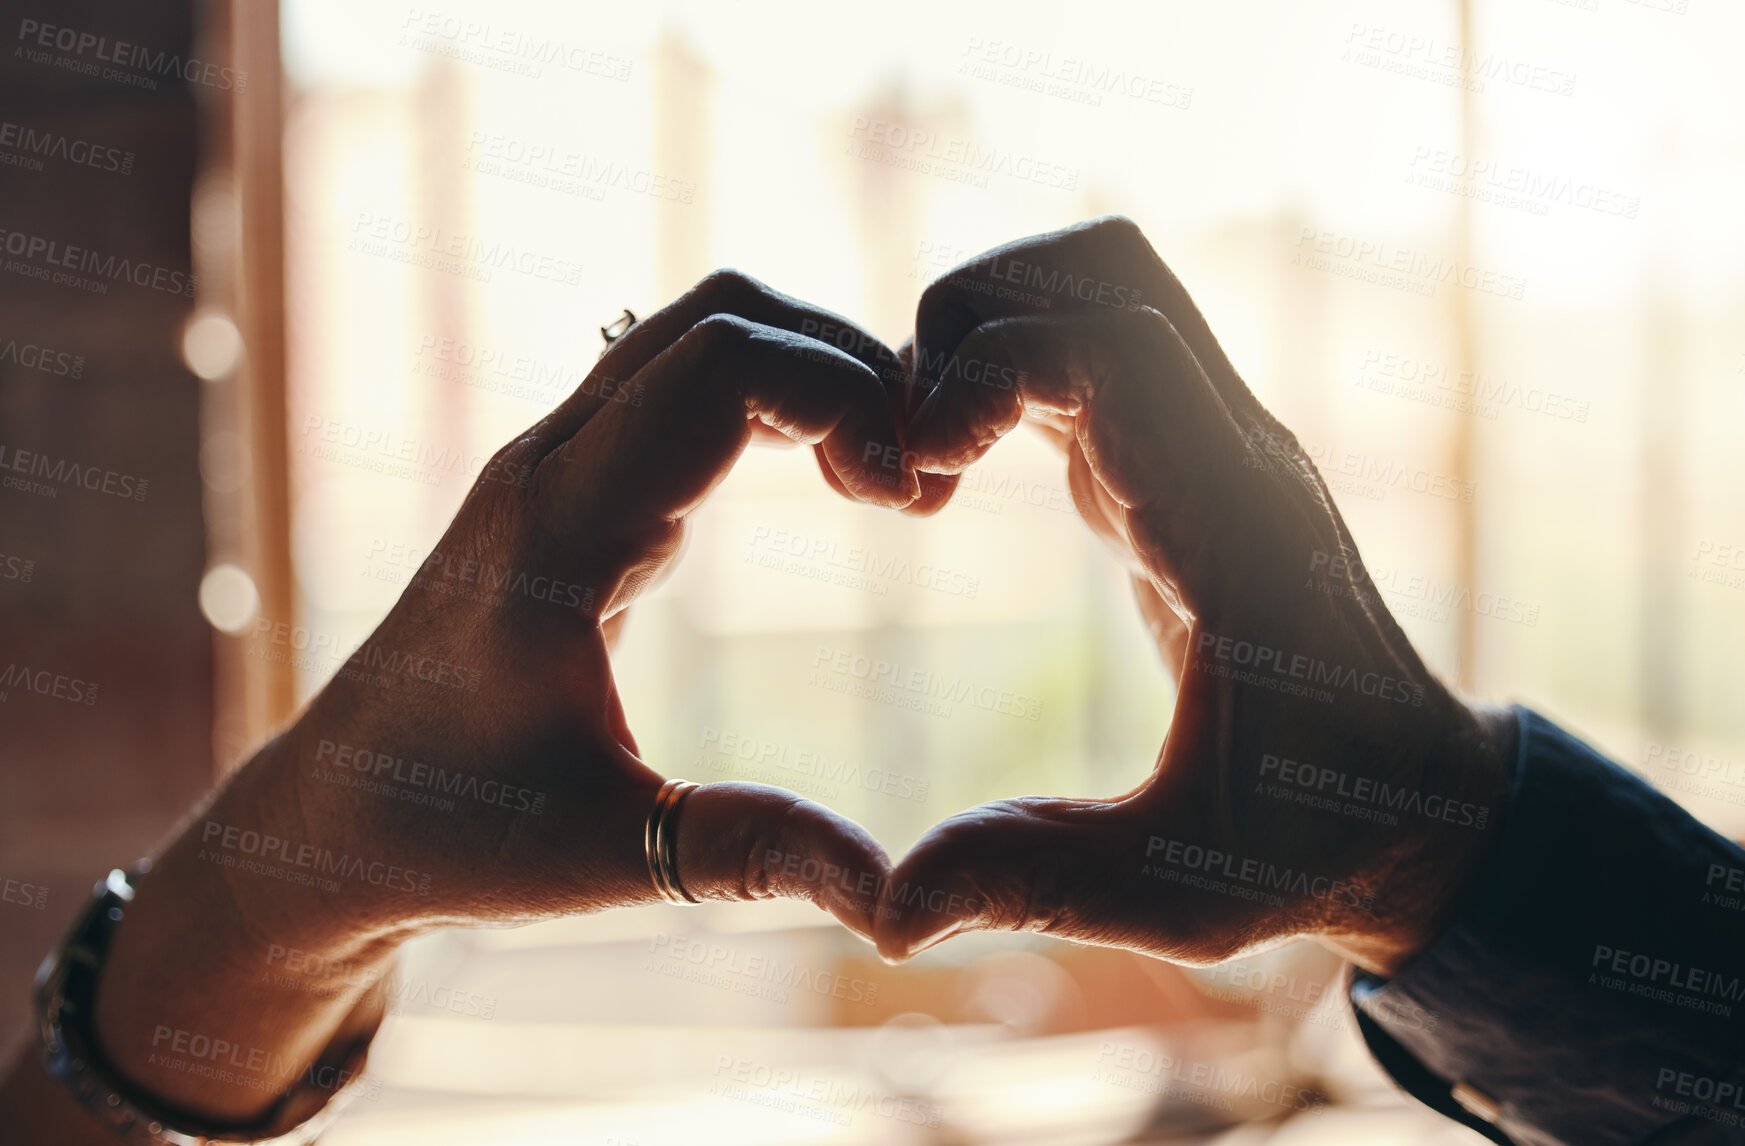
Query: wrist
1420, 876
215, 952
301, 860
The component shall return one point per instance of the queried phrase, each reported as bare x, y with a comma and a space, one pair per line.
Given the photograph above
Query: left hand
471, 764
573, 520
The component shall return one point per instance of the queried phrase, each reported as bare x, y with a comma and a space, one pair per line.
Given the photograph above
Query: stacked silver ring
660, 841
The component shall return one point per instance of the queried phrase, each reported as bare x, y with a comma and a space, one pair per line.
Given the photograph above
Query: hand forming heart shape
490, 680
1292, 675
1288, 665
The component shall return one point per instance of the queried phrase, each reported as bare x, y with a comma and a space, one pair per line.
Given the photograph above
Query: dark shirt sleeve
1591, 988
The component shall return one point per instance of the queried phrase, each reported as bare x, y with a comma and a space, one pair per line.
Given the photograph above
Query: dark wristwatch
65, 996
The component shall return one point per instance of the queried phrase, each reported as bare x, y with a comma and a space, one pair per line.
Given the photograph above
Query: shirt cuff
1591, 988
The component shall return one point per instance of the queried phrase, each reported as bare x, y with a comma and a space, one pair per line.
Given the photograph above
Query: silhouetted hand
471, 763
565, 527
1317, 780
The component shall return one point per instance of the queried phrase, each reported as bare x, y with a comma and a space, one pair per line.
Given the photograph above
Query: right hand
1281, 646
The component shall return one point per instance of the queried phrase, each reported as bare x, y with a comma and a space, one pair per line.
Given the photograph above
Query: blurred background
1484, 258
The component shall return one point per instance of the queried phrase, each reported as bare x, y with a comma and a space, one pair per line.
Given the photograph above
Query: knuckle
1117, 226
1151, 334
1112, 233
727, 289
937, 293
970, 831
715, 334
516, 450
524, 448
773, 847
512, 466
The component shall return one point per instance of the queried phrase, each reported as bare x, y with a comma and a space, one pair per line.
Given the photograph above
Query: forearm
1419, 879
217, 949
223, 985
37, 1108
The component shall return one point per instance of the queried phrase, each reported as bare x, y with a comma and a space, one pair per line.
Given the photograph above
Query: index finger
721, 292
1104, 265
627, 480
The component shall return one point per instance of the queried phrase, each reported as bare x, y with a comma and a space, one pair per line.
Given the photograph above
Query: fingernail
935, 939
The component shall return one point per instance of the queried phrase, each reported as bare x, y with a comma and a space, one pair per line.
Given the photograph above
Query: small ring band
660, 841
618, 327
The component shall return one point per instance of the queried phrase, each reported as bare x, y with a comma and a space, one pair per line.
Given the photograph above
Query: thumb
740, 841
1031, 864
